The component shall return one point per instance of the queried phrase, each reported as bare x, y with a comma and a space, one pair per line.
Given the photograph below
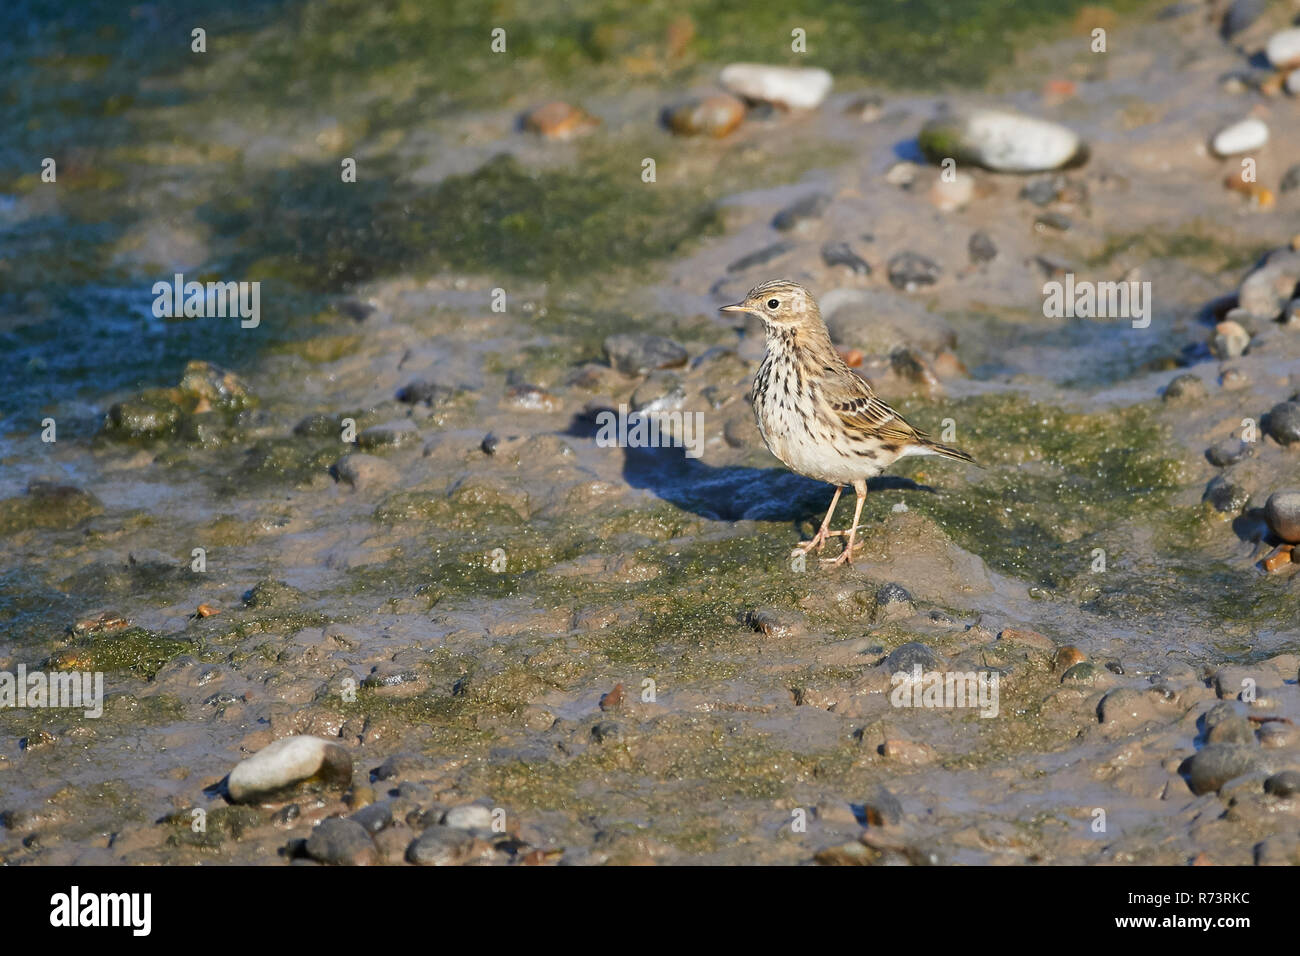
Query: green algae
1200, 243
136, 649
1052, 477
48, 505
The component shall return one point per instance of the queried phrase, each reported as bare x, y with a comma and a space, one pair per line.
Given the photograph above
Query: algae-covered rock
186, 409
48, 504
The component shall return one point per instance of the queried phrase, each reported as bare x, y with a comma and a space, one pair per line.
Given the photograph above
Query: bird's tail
947, 451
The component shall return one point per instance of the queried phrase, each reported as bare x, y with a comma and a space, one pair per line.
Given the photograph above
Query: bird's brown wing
859, 410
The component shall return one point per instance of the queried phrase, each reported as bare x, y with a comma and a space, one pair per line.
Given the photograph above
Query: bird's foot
816, 544
846, 556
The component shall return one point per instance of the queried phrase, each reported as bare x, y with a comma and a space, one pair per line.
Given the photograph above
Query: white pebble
1240, 137
1283, 50
795, 88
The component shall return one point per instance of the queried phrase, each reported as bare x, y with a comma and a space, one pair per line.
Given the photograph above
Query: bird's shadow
731, 492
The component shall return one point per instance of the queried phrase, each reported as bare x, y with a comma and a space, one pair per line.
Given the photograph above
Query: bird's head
780, 303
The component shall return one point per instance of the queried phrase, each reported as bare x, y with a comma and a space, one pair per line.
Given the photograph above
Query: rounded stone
1215, 764
1284, 784
440, 846
1001, 141
1185, 387
792, 87
1283, 513
907, 657
289, 763
715, 115
1283, 49
1240, 137
468, 816
341, 842
1283, 422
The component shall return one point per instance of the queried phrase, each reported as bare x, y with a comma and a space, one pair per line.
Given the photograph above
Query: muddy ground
612, 645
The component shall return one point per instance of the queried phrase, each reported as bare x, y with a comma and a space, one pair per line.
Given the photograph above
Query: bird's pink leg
860, 490
819, 539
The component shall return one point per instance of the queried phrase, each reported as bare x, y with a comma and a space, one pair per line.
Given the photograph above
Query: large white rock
1283, 49
1001, 141
1240, 137
800, 88
287, 763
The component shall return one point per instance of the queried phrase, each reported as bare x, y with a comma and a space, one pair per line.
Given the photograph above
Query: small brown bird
817, 415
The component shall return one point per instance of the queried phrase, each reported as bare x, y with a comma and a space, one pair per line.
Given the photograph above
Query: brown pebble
1068, 656
613, 700
207, 610
907, 751
1279, 557
102, 623
767, 623
852, 357
715, 115
558, 120
1013, 635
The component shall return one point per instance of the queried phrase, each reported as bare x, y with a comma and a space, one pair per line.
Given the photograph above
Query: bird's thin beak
738, 307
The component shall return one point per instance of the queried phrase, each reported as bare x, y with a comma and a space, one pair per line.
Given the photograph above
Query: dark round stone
981, 247
374, 817
1284, 784
907, 656
1283, 422
1229, 452
1215, 764
1185, 387
341, 842
908, 270
1225, 495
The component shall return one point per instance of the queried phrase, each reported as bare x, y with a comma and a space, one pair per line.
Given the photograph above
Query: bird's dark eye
772, 303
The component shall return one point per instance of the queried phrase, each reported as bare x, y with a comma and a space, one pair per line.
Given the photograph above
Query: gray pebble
422, 392
1185, 387
1229, 452
842, 254
910, 270
981, 247
1283, 422
1283, 513
375, 817
907, 656
440, 846
1241, 15
1215, 764
607, 731
1284, 784
638, 354
761, 256
1290, 179
468, 816
341, 842
1225, 495
801, 211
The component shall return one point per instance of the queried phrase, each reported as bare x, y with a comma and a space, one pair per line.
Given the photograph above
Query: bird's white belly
809, 448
